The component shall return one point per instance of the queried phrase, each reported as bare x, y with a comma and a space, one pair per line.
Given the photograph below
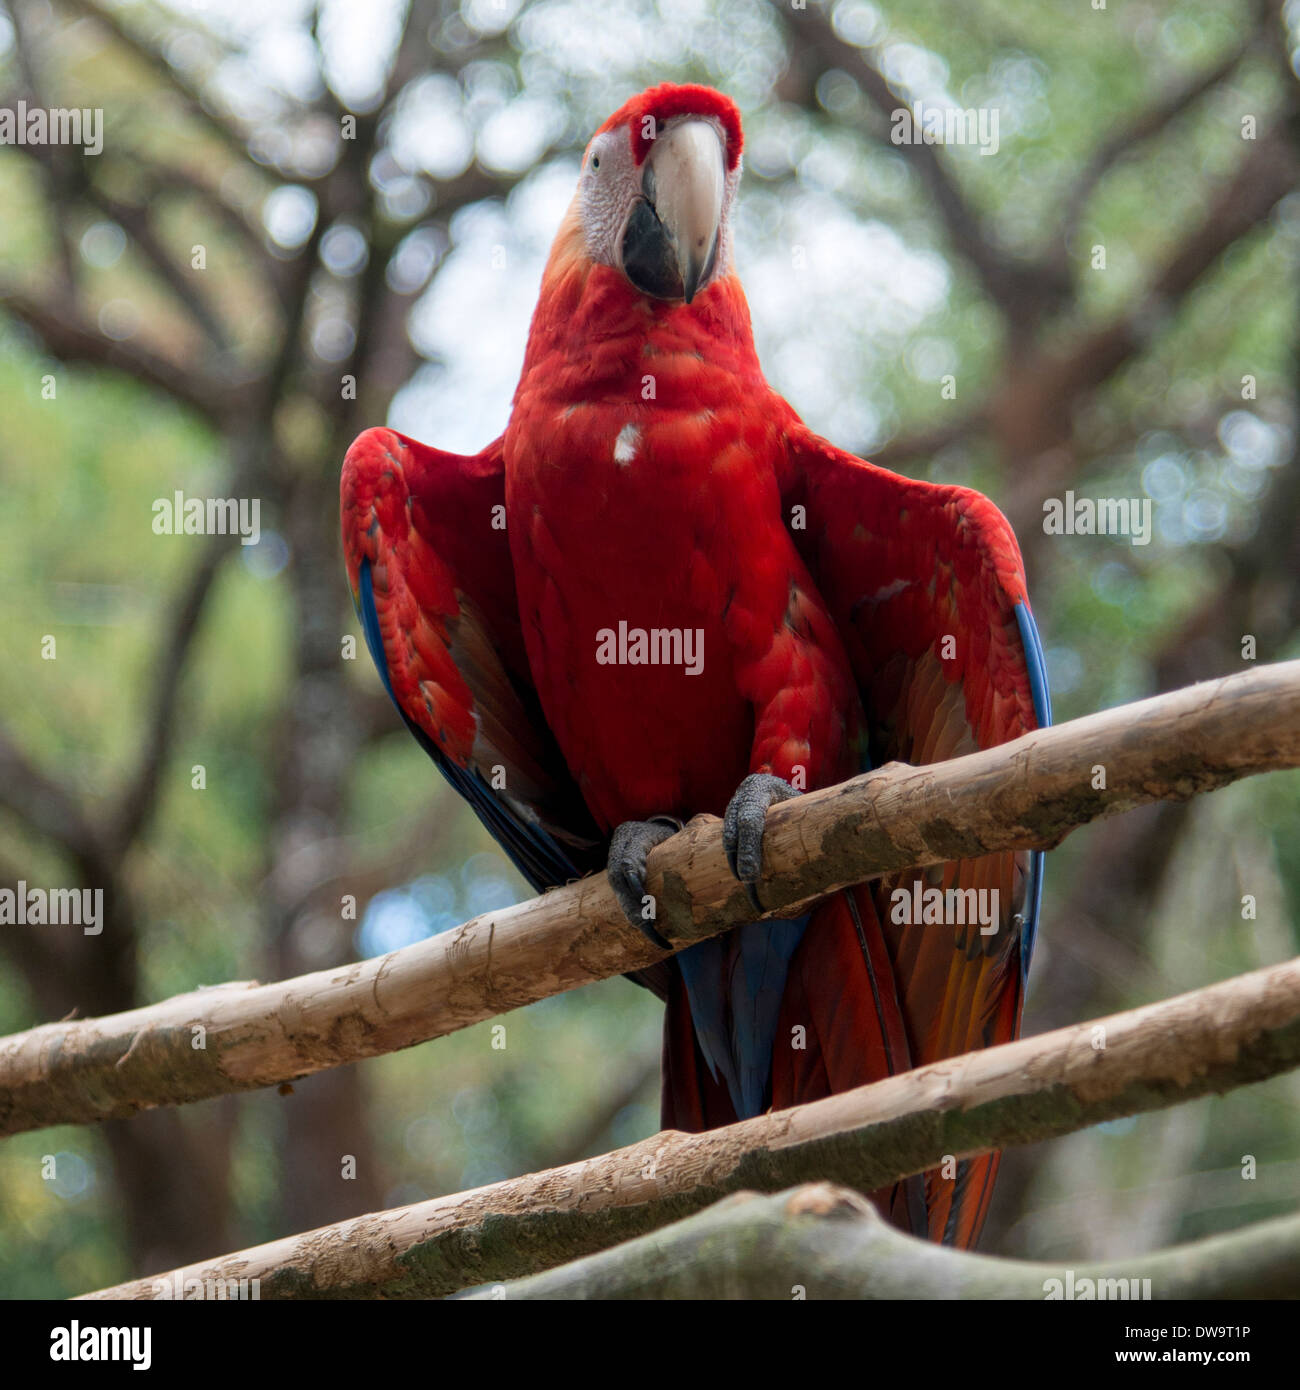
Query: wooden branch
141, 793
1020, 289
1028, 793
1034, 411
829, 1242
1127, 137
67, 336
1243, 1030
190, 93
55, 161
45, 804
137, 219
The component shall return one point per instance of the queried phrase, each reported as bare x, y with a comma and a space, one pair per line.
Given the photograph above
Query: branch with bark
1211, 1040
219, 398
1022, 290
820, 1241
1151, 122
1025, 794
196, 102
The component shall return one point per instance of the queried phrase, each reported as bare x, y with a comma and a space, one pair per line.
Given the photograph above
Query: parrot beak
671, 239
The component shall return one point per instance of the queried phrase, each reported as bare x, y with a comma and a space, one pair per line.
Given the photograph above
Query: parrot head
656, 189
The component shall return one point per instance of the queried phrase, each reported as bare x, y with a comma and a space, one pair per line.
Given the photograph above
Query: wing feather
926, 586
432, 579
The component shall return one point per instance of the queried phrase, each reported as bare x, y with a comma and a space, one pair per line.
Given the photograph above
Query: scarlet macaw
844, 615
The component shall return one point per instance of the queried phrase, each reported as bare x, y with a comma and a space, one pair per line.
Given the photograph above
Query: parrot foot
629, 845
742, 827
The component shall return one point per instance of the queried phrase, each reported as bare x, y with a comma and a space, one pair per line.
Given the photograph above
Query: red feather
664, 102
651, 479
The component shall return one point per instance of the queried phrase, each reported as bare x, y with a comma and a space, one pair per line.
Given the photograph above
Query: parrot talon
629, 845
742, 827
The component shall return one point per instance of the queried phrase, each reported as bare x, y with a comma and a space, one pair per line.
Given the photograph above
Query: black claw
629, 845
743, 824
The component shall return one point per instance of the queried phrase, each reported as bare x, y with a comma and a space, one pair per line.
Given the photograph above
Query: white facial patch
611, 182
625, 445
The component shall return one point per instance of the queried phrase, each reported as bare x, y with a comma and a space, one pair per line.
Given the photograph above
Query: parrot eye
595, 161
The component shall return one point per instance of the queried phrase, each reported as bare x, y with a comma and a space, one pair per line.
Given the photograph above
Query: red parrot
659, 593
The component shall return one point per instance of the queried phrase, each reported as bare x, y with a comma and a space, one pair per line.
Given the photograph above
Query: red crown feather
668, 100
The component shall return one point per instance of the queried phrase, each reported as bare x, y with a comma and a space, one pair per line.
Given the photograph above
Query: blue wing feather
1037, 664
735, 983
530, 848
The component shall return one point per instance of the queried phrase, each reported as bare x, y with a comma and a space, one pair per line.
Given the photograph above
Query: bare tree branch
1243, 1030
136, 221
53, 160
1149, 123
1022, 290
830, 1242
43, 803
161, 181
1033, 413
1027, 793
924, 444
68, 337
195, 101
141, 794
